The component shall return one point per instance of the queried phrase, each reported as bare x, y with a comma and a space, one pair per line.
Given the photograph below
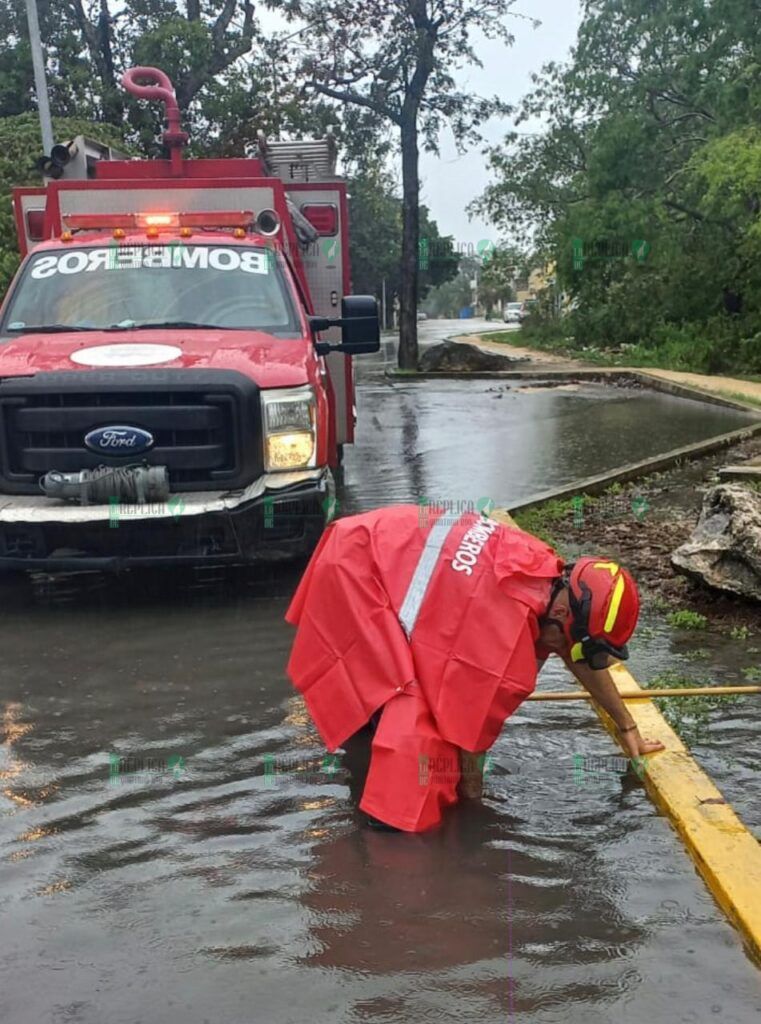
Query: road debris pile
457, 357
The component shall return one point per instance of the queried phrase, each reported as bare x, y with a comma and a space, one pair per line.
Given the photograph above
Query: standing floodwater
450, 440
177, 846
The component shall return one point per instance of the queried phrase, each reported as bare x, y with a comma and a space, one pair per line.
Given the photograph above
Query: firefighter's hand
637, 745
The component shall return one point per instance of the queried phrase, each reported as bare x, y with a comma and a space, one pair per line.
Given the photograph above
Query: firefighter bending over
431, 635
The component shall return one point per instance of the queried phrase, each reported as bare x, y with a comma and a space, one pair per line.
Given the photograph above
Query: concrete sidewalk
729, 387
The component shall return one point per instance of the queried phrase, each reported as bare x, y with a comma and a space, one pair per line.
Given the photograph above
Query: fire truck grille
206, 427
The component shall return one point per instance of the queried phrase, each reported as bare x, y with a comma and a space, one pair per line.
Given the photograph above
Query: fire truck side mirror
359, 323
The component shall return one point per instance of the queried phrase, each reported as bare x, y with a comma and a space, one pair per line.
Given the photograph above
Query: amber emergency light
154, 222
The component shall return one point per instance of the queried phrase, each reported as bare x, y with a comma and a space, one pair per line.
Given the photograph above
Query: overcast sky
452, 181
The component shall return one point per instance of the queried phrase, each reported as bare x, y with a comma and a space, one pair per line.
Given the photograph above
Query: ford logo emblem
119, 440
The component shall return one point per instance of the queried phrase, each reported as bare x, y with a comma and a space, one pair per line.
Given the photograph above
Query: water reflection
462, 440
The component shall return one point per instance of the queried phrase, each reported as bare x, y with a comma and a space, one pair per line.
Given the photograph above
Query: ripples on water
244, 888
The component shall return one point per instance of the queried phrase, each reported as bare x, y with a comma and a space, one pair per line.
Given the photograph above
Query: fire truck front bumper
279, 517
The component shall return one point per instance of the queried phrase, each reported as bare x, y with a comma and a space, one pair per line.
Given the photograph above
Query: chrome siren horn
267, 223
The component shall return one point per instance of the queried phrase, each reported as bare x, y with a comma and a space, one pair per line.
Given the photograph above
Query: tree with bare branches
398, 59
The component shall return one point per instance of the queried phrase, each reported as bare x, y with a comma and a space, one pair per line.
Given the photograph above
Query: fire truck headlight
290, 440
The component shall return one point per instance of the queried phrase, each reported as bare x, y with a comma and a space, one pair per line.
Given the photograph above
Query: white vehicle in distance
513, 313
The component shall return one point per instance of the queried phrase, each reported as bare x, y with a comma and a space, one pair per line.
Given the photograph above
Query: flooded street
454, 441
224, 875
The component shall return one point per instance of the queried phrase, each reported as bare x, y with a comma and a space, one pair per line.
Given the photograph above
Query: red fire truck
176, 350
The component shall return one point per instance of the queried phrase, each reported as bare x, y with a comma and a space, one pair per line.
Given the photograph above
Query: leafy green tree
453, 295
641, 187
88, 45
499, 270
375, 231
70, 78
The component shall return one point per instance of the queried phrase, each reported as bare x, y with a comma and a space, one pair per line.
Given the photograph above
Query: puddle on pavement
456, 441
177, 847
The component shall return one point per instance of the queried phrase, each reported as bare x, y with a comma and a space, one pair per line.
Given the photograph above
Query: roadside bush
546, 332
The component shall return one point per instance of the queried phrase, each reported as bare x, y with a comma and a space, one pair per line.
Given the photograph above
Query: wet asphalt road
176, 848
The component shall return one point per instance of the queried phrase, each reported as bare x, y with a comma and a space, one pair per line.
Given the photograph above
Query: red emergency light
35, 225
323, 217
156, 220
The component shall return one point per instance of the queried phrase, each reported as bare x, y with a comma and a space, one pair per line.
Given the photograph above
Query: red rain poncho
431, 617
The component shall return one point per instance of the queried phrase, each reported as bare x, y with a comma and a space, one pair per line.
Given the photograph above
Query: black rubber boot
380, 826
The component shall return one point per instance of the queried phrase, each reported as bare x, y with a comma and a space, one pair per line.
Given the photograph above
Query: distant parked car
421, 315
512, 313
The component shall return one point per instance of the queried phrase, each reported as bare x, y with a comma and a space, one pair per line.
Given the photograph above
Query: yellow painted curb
501, 515
726, 853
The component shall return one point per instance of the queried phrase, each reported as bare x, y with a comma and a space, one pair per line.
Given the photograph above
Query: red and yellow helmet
604, 611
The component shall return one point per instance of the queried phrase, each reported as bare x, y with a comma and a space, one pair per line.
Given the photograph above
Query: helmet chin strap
549, 620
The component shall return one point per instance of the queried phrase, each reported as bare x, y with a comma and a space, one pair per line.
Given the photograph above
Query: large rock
724, 550
456, 356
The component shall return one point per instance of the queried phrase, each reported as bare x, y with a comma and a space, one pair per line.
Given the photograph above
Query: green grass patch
500, 337
698, 654
684, 619
732, 396
541, 520
741, 396
605, 336
752, 674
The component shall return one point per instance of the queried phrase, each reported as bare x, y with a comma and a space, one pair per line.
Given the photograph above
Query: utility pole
40, 84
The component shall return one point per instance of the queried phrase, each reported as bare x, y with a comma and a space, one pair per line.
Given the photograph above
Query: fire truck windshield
129, 287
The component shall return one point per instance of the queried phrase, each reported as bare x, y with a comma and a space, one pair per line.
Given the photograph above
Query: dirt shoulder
547, 360
729, 387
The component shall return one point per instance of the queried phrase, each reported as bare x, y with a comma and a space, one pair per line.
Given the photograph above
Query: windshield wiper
48, 329
130, 325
